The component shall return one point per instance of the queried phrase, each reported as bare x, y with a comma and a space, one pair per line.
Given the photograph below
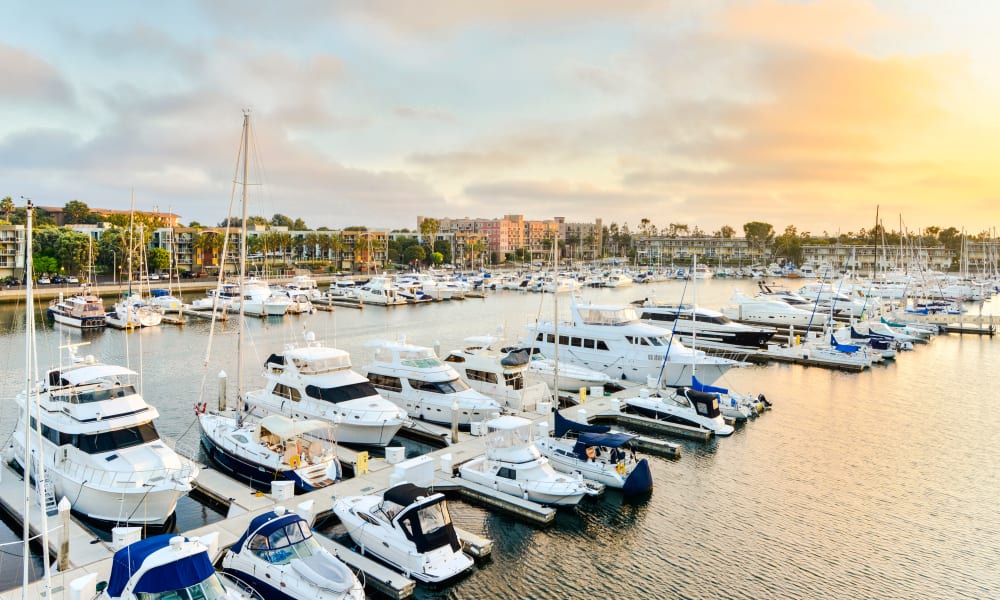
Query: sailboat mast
29, 302
243, 270
555, 321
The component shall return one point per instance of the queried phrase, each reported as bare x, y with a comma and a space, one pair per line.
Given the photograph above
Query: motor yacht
514, 465
407, 527
82, 310
99, 445
499, 374
702, 324
775, 313
612, 339
416, 380
317, 382
279, 556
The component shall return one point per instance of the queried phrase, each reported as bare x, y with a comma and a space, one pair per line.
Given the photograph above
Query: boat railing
127, 479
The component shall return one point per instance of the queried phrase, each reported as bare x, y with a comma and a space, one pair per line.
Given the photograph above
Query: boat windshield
342, 393
95, 395
434, 517
294, 540
439, 387
116, 439
209, 589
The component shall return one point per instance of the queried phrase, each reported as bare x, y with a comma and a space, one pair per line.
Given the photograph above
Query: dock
88, 555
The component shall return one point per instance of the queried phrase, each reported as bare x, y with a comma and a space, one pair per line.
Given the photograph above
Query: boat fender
620, 468
295, 461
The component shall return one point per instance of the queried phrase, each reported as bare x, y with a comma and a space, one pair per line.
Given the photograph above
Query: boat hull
256, 475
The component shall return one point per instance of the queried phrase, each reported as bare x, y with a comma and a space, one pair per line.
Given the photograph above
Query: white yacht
828, 299
498, 374
259, 301
514, 465
683, 406
317, 382
278, 555
613, 340
416, 380
380, 291
274, 449
598, 454
167, 566
165, 301
409, 528
618, 279
100, 447
769, 312
703, 324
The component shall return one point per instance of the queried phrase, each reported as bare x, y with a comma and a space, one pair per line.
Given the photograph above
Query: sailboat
131, 310
276, 448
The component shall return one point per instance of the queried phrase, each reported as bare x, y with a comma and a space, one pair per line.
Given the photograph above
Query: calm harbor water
883, 484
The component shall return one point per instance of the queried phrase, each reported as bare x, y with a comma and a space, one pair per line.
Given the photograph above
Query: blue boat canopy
265, 525
561, 426
174, 575
846, 348
710, 389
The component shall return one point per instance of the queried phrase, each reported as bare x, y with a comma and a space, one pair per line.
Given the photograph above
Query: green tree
759, 236
789, 245
72, 251
299, 225
157, 259
727, 232
280, 220
7, 207
414, 254
443, 247
437, 258
76, 211
429, 229
44, 264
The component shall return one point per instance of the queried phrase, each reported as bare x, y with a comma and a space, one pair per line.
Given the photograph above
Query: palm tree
7, 207
337, 247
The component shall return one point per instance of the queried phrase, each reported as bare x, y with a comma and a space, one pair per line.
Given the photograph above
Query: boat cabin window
116, 439
439, 387
564, 340
575, 341
514, 381
653, 341
287, 392
588, 343
385, 382
434, 517
106, 392
454, 358
601, 345
506, 473
342, 393
484, 376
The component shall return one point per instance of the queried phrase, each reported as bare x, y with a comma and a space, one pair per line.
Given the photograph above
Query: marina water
881, 484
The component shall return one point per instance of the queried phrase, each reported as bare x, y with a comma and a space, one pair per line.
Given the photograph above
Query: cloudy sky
705, 112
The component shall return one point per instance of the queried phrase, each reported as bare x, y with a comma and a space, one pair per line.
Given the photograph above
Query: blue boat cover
158, 292
561, 425
265, 524
701, 387
173, 575
607, 440
847, 348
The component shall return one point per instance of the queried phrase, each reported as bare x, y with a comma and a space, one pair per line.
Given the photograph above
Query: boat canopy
172, 575
428, 525
846, 348
709, 389
561, 426
270, 531
515, 358
607, 440
81, 375
286, 428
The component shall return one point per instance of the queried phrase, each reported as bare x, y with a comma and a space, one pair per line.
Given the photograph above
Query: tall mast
243, 269
29, 302
555, 321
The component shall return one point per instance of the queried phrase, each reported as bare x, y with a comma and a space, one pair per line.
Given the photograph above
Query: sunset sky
372, 112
